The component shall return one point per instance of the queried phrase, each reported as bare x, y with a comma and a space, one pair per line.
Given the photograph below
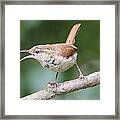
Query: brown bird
57, 57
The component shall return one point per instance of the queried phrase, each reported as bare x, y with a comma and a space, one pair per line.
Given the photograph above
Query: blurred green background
34, 77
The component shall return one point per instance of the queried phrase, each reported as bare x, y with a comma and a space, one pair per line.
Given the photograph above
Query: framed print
59, 59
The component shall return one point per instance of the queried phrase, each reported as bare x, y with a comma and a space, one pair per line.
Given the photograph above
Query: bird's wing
64, 50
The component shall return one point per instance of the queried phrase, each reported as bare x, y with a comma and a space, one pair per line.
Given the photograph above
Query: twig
54, 89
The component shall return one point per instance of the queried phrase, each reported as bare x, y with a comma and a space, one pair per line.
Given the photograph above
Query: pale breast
57, 63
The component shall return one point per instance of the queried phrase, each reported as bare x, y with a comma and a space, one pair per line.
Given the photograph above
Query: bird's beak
26, 57
27, 51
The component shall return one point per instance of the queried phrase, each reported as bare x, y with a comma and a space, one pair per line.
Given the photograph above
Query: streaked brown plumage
63, 49
57, 57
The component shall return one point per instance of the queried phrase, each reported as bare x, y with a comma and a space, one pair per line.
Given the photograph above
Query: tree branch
54, 89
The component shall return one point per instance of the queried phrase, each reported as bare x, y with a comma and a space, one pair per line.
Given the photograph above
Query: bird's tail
72, 34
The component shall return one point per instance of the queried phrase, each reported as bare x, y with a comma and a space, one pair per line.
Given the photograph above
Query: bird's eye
37, 51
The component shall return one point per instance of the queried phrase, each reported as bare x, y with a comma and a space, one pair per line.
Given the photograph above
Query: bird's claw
82, 77
52, 86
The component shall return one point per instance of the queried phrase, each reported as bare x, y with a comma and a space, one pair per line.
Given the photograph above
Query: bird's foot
82, 77
52, 86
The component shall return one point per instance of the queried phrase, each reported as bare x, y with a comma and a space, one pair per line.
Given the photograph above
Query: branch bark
54, 89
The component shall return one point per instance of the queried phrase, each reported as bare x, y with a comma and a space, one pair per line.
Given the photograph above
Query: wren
57, 57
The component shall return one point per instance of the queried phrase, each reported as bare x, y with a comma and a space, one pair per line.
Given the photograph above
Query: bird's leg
81, 76
56, 76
